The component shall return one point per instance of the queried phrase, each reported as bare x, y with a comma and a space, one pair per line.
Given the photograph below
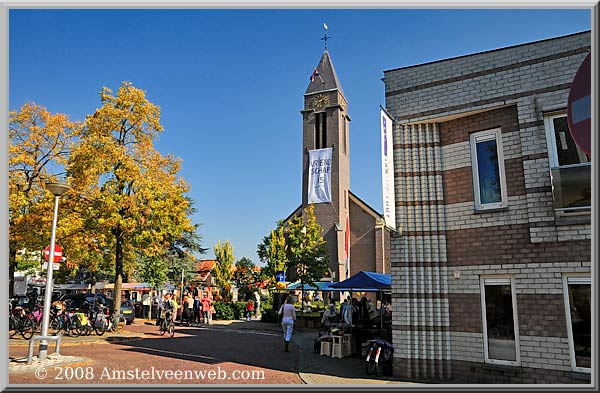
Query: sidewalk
314, 368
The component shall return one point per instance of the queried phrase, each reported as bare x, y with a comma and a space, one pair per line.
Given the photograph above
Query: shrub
268, 314
224, 311
239, 309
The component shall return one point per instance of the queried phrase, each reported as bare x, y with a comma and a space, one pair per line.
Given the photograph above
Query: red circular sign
57, 253
579, 107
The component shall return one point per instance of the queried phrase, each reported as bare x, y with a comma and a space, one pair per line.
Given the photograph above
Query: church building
347, 221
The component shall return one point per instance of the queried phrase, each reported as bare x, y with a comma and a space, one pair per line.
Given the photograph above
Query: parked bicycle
379, 356
20, 322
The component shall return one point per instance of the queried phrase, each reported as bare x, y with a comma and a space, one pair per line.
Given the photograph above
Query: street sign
55, 266
579, 107
57, 253
280, 276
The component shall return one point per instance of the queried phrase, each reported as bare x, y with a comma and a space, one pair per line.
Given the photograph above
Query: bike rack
56, 340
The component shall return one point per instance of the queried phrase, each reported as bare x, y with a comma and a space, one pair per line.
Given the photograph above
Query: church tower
326, 124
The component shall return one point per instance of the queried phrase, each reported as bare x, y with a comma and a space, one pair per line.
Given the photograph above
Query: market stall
367, 321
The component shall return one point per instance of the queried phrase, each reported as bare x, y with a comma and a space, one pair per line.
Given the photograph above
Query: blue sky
230, 84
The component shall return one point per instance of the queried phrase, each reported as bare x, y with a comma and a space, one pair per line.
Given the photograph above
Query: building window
570, 167
499, 317
345, 134
320, 130
577, 291
489, 180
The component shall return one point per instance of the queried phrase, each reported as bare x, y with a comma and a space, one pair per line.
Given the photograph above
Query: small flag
314, 74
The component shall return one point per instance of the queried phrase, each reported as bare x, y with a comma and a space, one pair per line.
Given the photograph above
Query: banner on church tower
387, 170
319, 175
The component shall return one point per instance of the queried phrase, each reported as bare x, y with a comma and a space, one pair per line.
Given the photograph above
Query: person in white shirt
288, 314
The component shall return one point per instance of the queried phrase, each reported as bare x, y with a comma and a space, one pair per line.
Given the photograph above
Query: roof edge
486, 51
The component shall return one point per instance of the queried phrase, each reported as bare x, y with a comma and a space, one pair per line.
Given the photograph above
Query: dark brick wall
471, 372
458, 130
465, 312
509, 244
362, 240
542, 315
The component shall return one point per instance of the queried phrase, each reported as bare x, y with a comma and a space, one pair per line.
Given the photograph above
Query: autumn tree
134, 200
38, 147
222, 271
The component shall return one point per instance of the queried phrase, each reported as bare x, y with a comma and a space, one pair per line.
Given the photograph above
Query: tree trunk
12, 262
118, 272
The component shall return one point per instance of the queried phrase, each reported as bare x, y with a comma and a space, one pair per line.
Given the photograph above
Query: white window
499, 317
489, 179
570, 167
577, 291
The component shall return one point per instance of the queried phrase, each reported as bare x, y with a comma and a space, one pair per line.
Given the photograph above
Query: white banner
387, 170
319, 175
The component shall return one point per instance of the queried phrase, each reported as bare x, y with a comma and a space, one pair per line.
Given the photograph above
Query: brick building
491, 274
326, 123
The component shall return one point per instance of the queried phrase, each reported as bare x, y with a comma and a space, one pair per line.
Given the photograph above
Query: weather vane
325, 36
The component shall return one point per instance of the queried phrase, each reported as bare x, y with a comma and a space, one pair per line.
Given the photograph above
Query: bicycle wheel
13, 326
27, 328
171, 329
100, 329
162, 328
54, 325
73, 328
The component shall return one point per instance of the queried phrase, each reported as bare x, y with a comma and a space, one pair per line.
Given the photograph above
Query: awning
316, 286
365, 282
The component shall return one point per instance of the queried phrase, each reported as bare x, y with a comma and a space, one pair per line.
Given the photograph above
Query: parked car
128, 311
82, 300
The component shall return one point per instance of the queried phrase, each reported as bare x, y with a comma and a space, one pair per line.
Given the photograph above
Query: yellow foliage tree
131, 196
38, 148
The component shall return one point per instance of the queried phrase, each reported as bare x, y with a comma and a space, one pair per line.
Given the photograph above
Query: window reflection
579, 303
500, 322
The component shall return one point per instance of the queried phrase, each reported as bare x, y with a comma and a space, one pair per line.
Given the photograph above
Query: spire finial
325, 36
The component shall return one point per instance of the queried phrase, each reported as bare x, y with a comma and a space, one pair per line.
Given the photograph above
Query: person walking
197, 309
206, 309
190, 308
249, 309
256, 304
288, 318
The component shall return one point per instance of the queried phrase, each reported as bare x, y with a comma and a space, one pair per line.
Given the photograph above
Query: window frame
574, 278
553, 160
499, 280
494, 133
550, 140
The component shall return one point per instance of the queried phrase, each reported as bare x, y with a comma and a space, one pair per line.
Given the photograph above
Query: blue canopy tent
365, 280
373, 282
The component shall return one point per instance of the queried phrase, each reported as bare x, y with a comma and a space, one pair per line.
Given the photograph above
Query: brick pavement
224, 347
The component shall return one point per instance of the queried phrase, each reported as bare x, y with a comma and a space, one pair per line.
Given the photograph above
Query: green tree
273, 251
222, 271
307, 256
244, 274
134, 199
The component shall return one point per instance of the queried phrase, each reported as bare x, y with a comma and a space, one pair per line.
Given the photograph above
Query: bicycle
378, 349
167, 324
21, 322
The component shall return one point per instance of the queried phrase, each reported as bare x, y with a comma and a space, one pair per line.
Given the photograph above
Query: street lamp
56, 188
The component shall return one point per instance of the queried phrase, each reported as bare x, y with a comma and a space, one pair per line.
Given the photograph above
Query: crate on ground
326, 348
341, 346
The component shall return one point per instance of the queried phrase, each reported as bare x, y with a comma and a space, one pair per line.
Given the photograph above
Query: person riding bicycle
166, 307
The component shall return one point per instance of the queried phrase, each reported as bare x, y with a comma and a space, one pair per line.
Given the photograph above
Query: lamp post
56, 188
